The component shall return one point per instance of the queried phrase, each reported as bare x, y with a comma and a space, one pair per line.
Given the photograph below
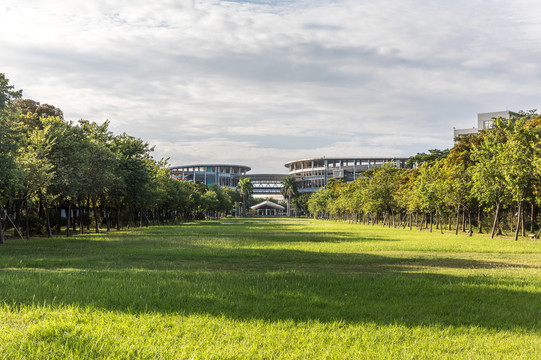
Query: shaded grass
270, 289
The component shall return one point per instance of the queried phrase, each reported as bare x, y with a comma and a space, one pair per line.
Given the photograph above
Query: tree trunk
1, 232
532, 217
495, 223
81, 220
69, 219
289, 205
519, 215
431, 221
18, 214
118, 218
96, 216
26, 220
48, 220
479, 219
74, 222
58, 218
457, 218
522, 221
469, 222
108, 217
86, 213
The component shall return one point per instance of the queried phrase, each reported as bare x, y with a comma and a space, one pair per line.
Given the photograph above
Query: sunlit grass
270, 289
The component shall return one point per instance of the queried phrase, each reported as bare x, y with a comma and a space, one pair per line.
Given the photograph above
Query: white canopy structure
268, 208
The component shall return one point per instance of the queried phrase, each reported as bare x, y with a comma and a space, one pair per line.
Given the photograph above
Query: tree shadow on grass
276, 285
275, 230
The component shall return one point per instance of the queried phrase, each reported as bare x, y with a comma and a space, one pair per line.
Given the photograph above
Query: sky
261, 82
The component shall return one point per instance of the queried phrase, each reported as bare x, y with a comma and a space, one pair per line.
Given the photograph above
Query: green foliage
86, 172
289, 190
300, 202
8, 153
423, 158
245, 189
7, 92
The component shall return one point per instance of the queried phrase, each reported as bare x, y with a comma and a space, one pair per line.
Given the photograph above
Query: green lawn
270, 288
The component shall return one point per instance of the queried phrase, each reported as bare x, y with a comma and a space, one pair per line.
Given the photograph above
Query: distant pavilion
268, 208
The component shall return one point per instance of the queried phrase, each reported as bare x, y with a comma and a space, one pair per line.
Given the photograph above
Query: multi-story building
485, 121
312, 174
221, 174
265, 185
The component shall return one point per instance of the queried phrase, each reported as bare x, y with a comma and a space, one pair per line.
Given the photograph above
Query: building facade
267, 185
313, 174
484, 121
222, 174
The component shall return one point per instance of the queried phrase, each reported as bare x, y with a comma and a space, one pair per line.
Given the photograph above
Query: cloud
264, 82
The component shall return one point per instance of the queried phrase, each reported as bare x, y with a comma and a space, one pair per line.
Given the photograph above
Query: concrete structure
312, 174
221, 174
268, 208
484, 121
267, 185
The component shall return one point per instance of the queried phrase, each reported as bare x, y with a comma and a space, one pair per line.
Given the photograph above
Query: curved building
221, 174
312, 174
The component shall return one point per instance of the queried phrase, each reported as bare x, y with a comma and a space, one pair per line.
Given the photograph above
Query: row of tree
492, 179
57, 175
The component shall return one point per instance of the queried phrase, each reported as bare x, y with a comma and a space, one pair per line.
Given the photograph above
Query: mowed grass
272, 289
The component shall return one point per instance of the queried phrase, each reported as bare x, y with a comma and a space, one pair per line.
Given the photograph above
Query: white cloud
265, 82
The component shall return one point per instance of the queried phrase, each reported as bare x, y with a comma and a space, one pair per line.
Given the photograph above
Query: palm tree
289, 189
245, 188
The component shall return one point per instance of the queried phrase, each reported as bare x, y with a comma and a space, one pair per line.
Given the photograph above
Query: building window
488, 124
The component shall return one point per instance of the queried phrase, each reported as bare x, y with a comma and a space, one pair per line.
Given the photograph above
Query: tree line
64, 176
488, 181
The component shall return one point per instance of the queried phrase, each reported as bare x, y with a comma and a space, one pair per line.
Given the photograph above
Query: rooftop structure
312, 174
484, 121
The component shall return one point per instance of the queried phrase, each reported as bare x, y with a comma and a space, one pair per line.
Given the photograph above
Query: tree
32, 111
381, 191
422, 158
7, 92
516, 159
245, 188
489, 185
35, 171
8, 166
318, 202
300, 202
430, 189
458, 179
288, 190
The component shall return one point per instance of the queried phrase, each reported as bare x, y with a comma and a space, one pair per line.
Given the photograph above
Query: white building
312, 174
484, 121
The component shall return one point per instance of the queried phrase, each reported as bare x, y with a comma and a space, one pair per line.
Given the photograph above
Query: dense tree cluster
490, 180
57, 175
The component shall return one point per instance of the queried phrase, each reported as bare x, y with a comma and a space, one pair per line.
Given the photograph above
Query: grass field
273, 289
